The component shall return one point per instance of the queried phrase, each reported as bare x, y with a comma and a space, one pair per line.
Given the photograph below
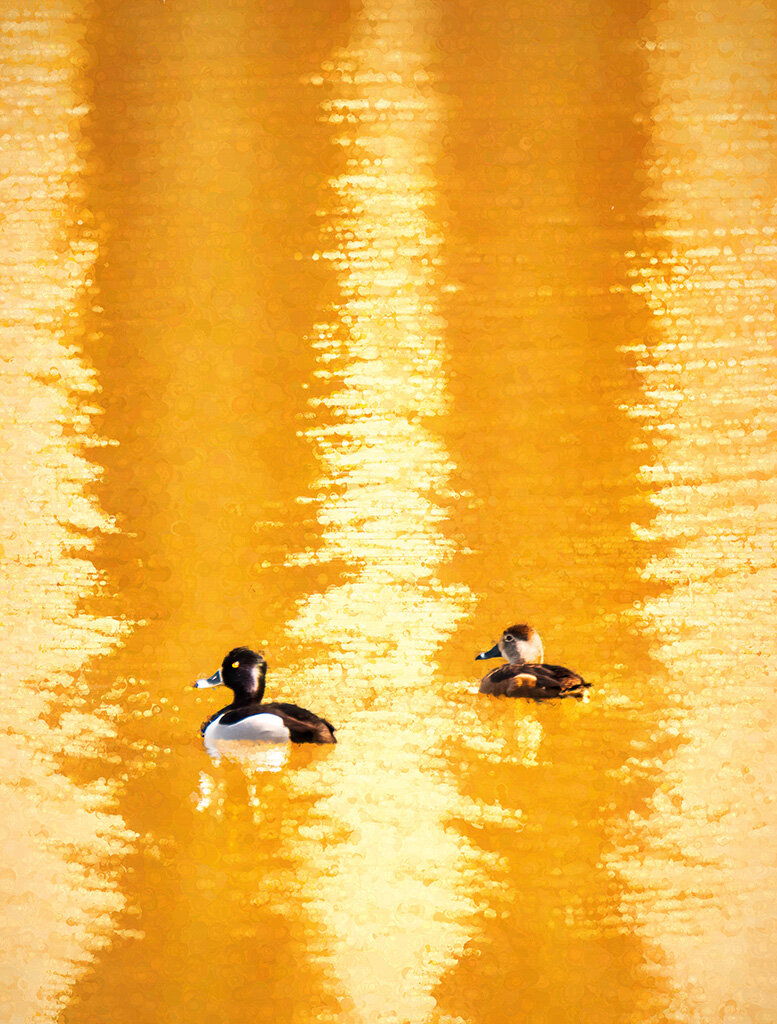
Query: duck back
274, 721
303, 725
538, 682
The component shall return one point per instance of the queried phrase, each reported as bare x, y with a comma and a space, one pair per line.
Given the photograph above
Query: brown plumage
525, 674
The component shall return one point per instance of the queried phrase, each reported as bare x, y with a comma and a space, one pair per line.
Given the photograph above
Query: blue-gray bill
493, 653
214, 680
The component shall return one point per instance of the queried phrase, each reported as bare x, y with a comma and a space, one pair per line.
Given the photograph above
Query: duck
525, 674
243, 671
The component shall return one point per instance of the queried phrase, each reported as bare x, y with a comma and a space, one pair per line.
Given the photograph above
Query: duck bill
214, 680
493, 653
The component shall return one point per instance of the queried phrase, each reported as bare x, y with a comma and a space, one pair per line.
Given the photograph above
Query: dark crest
519, 631
244, 655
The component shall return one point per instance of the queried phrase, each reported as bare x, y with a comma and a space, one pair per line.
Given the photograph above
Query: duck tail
325, 732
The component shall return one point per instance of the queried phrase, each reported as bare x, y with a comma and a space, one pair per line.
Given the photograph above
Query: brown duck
525, 674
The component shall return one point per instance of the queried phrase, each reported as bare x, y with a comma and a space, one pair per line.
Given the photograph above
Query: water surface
356, 334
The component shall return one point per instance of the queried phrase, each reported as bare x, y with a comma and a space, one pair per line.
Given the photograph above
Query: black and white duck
247, 718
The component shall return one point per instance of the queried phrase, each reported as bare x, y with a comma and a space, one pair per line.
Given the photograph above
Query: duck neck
535, 652
530, 651
250, 689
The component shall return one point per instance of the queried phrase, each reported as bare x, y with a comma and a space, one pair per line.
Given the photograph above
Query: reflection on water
57, 892
704, 888
392, 900
312, 454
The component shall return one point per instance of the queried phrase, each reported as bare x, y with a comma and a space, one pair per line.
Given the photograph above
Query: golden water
355, 334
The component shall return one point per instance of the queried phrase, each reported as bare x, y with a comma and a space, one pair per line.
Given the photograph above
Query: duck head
519, 643
243, 671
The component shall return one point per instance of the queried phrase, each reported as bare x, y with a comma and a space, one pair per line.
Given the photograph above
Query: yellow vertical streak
55, 902
391, 893
704, 887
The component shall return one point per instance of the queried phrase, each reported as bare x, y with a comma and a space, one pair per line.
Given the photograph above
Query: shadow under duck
243, 671
525, 674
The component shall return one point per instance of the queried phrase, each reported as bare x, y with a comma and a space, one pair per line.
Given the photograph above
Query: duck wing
557, 677
303, 725
533, 681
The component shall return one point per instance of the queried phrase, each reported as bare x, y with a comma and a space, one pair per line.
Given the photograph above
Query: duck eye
509, 636
235, 664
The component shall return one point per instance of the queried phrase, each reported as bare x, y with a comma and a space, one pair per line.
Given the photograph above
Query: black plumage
244, 671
